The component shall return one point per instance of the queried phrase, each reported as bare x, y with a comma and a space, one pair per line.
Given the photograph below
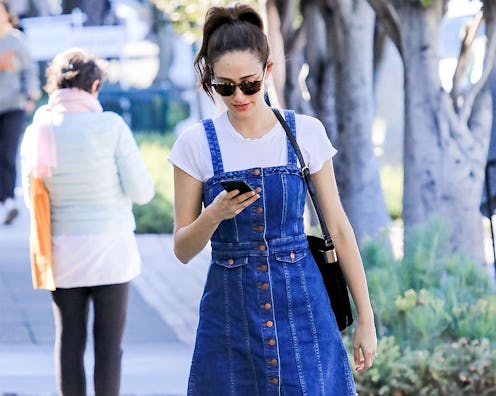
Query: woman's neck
259, 124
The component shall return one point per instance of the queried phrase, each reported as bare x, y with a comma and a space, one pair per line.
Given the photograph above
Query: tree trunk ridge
442, 160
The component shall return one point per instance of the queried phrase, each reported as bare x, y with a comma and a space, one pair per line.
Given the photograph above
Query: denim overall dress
266, 326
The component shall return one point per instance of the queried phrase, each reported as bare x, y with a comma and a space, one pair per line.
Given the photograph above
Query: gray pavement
160, 329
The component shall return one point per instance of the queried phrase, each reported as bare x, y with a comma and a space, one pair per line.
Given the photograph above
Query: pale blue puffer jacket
99, 173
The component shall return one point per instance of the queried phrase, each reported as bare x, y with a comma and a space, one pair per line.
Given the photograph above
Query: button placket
267, 318
257, 211
268, 323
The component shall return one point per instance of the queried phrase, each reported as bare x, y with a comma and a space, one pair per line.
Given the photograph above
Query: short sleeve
190, 152
314, 142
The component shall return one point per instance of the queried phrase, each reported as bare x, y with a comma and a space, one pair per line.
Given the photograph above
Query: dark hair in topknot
226, 29
74, 68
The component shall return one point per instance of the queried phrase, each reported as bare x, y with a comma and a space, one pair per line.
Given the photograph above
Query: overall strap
311, 187
213, 145
290, 120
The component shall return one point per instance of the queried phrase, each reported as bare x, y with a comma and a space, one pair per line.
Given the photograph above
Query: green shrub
465, 367
394, 372
435, 316
158, 215
450, 369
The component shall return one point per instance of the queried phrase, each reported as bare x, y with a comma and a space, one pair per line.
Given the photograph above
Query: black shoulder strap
308, 179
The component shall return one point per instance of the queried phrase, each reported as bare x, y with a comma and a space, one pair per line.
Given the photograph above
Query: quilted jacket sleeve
136, 181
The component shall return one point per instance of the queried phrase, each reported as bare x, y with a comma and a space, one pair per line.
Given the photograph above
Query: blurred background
405, 89
150, 45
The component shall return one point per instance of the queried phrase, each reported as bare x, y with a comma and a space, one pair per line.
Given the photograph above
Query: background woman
266, 326
19, 89
92, 169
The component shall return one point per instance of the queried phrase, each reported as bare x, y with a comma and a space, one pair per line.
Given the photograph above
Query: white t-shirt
191, 152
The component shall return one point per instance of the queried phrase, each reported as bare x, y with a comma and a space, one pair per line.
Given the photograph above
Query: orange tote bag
40, 239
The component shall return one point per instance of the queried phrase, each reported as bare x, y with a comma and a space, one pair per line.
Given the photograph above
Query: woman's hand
193, 227
364, 345
226, 205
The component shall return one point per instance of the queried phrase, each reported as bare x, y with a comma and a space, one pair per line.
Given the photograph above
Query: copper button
271, 342
273, 362
269, 323
292, 256
260, 228
267, 306
264, 286
274, 380
256, 172
230, 261
261, 248
259, 209
262, 268
258, 189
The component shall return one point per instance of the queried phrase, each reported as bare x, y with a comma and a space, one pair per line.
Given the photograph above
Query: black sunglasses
247, 87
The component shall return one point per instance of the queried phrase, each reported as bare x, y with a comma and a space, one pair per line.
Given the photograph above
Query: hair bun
251, 17
219, 16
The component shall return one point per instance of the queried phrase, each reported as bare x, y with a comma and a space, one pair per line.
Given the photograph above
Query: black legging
11, 124
70, 309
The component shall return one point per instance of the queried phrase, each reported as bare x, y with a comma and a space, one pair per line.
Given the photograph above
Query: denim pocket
231, 262
291, 256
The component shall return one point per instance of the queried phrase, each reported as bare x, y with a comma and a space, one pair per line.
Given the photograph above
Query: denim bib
266, 326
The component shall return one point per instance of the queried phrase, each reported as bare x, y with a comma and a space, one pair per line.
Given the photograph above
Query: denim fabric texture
266, 326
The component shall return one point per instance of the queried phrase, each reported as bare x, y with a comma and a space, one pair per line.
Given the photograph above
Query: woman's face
237, 67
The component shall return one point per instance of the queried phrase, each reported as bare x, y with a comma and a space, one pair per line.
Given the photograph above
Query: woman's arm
194, 227
135, 179
351, 263
29, 73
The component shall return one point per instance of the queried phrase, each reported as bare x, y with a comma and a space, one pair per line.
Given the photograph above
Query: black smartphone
236, 184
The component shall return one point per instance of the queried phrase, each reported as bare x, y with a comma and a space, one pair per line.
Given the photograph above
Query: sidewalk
160, 329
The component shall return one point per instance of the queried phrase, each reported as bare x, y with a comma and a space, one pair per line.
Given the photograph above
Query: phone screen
236, 184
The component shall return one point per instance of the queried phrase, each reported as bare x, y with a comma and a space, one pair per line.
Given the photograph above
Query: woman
266, 327
92, 169
19, 89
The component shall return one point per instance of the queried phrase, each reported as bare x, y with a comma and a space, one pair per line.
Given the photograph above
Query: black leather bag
322, 249
334, 282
